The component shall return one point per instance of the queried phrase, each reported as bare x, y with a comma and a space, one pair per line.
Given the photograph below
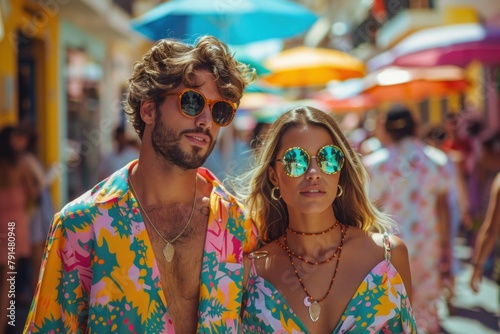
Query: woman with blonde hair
327, 264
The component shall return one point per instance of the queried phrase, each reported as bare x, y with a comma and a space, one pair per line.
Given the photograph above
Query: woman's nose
314, 170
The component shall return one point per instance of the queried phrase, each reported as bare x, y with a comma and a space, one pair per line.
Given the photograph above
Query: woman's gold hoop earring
340, 191
273, 196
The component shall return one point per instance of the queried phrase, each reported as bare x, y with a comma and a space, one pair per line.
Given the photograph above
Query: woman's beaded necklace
309, 301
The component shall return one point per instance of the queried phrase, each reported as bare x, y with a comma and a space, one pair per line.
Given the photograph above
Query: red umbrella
416, 90
459, 55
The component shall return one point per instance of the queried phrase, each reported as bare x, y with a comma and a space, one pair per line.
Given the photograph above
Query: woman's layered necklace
310, 302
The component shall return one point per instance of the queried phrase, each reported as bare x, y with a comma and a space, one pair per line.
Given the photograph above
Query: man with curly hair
158, 246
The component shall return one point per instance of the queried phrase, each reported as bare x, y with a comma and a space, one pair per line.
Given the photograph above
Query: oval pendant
314, 311
168, 252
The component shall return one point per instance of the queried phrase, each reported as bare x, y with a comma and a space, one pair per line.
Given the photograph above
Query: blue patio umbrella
259, 67
235, 22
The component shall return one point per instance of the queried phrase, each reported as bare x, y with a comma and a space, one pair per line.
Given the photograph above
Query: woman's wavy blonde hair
170, 63
271, 216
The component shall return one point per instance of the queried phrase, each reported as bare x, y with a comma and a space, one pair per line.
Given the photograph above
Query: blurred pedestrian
258, 135
487, 235
43, 211
18, 195
458, 202
377, 137
456, 139
409, 181
323, 268
158, 246
123, 153
232, 153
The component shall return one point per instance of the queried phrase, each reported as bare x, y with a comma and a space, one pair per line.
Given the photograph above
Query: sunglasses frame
310, 158
207, 101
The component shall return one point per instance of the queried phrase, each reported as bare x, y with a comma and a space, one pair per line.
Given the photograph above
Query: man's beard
166, 145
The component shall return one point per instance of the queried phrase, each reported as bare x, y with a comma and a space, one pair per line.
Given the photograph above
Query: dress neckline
253, 274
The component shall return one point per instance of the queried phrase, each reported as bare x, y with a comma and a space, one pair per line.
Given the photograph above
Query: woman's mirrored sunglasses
296, 160
192, 102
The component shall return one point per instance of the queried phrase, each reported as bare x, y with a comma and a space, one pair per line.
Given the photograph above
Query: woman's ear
148, 111
273, 177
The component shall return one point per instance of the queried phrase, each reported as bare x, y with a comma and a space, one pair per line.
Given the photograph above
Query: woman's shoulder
268, 250
267, 258
390, 244
262, 262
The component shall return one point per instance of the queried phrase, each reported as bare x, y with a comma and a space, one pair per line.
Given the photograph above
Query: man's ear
271, 173
148, 111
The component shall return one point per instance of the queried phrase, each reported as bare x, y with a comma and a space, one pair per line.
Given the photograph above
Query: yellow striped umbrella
305, 66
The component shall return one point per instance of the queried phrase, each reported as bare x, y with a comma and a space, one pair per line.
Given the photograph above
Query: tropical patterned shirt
99, 273
379, 305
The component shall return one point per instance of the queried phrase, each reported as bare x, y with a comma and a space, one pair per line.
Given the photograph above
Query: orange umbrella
416, 90
305, 66
414, 84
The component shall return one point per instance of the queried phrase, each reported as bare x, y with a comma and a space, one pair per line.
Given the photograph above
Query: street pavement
473, 313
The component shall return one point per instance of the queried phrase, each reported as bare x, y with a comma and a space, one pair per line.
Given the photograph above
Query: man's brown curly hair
170, 63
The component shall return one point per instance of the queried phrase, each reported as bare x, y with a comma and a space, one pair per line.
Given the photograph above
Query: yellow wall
8, 65
52, 120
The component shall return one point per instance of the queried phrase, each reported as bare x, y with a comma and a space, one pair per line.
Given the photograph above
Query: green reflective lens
296, 160
330, 159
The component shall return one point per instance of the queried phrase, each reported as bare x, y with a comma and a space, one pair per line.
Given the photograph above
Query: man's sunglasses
296, 160
192, 102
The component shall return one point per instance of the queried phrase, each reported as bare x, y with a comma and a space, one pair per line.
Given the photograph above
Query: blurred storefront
398, 27
98, 49
64, 65
368, 29
28, 70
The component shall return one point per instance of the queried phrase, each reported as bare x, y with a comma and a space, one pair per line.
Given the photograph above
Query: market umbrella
253, 63
415, 90
306, 66
234, 22
254, 54
358, 103
457, 44
402, 84
259, 100
414, 84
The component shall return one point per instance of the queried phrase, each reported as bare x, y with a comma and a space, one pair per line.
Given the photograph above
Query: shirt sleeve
252, 242
249, 240
60, 302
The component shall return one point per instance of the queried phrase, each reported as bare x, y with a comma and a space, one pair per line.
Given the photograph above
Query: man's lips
200, 138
